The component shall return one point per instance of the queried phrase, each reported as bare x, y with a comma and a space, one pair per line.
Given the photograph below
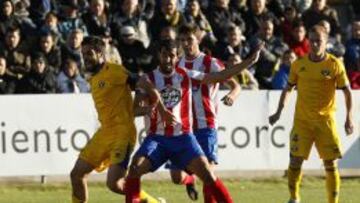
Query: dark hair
188, 29
168, 45
13, 28
298, 23
95, 42
38, 56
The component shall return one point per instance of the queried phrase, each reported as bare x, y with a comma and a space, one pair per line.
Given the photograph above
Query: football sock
145, 197
189, 179
132, 190
294, 180
219, 191
208, 197
332, 183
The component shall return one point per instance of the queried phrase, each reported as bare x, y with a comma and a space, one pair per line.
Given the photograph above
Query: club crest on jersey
170, 96
325, 73
101, 84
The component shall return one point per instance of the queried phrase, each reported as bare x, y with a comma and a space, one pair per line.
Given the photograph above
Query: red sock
132, 190
208, 197
189, 179
219, 191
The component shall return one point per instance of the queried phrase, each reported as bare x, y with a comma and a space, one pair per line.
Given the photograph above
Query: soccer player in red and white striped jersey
170, 126
205, 103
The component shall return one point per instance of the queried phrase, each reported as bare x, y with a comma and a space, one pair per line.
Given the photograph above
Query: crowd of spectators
40, 40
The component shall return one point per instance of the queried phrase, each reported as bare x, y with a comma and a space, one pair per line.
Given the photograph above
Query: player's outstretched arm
229, 72
349, 126
282, 102
235, 88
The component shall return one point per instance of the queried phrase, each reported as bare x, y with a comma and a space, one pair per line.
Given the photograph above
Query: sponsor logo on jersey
170, 96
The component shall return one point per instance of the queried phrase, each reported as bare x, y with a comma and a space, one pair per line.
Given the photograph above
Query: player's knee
177, 179
135, 171
116, 186
330, 165
76, 174
208, 177
296, 162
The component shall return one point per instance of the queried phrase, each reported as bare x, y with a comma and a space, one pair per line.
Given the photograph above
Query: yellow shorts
110, 145
322, 133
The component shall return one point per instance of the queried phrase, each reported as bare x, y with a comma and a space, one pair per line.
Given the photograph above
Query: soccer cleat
192, 192
294, 201
161, 200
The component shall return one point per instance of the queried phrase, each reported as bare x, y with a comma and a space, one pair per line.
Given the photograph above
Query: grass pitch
244, 191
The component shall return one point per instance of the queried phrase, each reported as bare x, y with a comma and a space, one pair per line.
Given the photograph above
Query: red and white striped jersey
205, 101
176, 94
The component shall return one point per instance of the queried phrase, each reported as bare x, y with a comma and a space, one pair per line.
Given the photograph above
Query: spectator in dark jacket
280, 79
235, 44
69, 80
334, 45
51, 51
168, 15
129, 14
7, 84
318, 11
194, 15
40, 80
255, 14
221, 17
270, 54
96, 18
133, 53
16, 53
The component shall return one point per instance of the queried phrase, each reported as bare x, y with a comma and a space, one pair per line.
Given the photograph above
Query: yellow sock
332, 184
144, 196
294, 180
76, 200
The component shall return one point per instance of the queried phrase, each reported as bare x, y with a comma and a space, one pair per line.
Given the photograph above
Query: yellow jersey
112, 95
316, 83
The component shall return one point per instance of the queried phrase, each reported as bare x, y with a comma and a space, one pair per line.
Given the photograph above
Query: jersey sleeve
293, 77
341, 77
216, 65
196, 75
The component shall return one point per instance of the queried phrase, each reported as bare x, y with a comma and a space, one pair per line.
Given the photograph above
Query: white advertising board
42, 135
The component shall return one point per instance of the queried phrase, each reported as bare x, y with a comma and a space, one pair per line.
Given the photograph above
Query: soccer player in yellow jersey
316, 76
114, 141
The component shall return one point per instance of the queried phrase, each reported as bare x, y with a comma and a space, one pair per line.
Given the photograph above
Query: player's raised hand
349, 126
228, 100
274, 118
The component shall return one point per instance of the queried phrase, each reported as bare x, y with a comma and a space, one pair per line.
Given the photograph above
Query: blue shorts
180, 150
207, 139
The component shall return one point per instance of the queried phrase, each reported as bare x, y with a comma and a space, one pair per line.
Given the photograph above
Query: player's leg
332, 181
213, 186
190, 156
180, 177
294, 177
78, 177
328, 146
208, 140
139, 166
301, 141
149, 157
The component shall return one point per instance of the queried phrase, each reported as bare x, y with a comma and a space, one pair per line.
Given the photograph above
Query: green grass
244, 191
